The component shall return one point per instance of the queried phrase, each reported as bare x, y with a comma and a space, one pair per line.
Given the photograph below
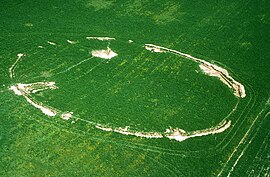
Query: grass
140, 89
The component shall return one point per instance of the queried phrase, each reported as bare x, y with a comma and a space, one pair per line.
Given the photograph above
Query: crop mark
101, 38
51, 43
209, 68
13, 67
176, 134
26, 89
72, 42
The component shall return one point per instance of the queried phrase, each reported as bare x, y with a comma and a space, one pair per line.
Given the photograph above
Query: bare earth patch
106, 54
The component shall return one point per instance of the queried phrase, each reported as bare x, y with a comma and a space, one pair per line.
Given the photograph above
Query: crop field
134, 88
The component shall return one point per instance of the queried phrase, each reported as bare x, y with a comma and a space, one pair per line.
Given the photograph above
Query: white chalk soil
106, 54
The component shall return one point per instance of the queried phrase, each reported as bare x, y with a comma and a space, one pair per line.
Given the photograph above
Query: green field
137, 92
